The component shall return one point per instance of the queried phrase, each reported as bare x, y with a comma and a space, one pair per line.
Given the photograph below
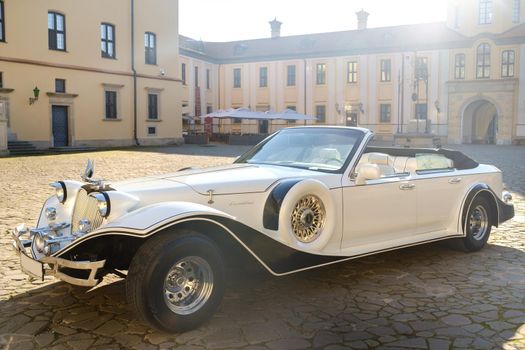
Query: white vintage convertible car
305, 197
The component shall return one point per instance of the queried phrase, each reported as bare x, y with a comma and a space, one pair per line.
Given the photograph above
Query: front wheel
478, 224
176, 283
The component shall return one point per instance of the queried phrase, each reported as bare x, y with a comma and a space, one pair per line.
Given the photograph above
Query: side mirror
367, 172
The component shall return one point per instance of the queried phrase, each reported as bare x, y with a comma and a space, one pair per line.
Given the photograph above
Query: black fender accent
278, 257
474, 191
273, 203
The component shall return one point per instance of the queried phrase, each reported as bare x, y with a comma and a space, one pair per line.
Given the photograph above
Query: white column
364, 83
520, 125
3, 128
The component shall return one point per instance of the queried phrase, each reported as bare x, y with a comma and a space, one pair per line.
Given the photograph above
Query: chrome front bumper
52, 266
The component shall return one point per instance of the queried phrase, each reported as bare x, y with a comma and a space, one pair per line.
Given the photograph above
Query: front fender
149, 219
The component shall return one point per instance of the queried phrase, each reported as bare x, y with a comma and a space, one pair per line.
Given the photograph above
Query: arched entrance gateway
479, 122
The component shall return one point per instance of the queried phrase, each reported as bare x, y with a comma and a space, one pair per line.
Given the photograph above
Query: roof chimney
362, 18
276, 28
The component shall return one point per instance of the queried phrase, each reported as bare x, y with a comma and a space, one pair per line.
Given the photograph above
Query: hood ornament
88, 174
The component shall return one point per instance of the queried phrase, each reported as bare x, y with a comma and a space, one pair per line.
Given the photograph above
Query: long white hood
231, 179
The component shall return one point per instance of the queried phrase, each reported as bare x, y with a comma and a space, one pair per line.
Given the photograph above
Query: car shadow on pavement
422, 297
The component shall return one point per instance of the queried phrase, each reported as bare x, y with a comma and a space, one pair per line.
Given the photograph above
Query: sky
229, 20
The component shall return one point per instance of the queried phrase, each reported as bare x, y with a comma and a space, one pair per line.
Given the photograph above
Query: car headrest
378, 158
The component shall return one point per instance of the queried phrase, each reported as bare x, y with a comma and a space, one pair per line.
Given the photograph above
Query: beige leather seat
382, 160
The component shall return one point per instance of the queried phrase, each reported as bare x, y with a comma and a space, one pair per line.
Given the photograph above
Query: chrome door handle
454, 180
407, 186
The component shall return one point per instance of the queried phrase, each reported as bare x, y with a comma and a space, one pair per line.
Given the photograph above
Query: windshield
323, 149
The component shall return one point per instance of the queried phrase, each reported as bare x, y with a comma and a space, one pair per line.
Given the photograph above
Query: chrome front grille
85, 208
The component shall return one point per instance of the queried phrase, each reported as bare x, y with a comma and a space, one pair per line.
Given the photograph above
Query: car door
439, 195
379, 214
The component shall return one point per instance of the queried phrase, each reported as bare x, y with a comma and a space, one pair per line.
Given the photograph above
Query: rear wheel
478, 224
176, 283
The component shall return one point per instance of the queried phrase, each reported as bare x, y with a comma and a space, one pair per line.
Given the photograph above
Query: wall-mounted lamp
36, 93
361, 108
436, 104
337, 108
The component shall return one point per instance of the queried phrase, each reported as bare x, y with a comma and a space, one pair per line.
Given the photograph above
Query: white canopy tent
245, 113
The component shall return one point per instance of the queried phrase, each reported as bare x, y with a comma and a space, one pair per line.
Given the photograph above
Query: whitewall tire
307, 219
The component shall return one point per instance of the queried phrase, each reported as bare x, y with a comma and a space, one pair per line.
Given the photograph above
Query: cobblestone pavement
422, 297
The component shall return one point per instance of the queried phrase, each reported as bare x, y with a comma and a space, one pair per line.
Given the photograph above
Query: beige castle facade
460, 80
105, 72
118, 73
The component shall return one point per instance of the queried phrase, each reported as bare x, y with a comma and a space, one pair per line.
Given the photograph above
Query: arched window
483, 61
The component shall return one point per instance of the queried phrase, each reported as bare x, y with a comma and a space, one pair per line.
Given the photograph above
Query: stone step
25, 152
22, 148
71, 149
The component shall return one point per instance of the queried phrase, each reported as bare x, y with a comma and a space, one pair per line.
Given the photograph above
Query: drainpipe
134, 71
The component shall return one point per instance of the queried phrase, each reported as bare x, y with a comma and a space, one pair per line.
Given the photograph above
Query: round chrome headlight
103, 203
60, 190
51, 213
40, 243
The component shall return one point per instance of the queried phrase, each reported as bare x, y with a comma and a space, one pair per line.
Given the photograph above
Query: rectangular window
507, 63
320, 74
207, 78
56, 25
385, 112
290, 75
183, 73
421, 68
237, 120
2, 21
111, 105
153, 106
236, 77
107, 40
351, 72
196, 76
263, 77
320, 113
150, 47
60, 85
483, 61
386, 70
421, 111
459, 66
152, 130
485, 11
209, 109
516, 11
1, 80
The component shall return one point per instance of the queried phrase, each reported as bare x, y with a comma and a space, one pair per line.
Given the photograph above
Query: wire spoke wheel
308, 218
188, 285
